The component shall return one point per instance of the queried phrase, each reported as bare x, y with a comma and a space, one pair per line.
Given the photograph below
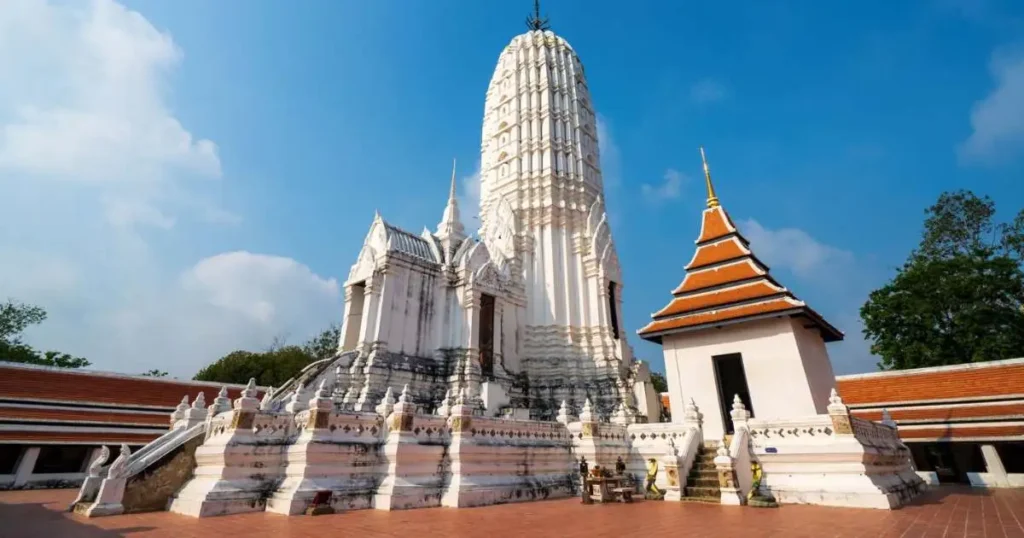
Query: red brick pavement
944, 512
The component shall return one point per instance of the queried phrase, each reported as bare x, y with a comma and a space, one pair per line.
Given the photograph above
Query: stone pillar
460, 422
670, 462
26, 465
725, 466
411, 479
994, 465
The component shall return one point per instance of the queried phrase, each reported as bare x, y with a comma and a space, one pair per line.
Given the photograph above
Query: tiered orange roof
725, 283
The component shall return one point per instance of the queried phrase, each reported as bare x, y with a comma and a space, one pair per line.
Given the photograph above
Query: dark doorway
486, 335
613, 311
731, 380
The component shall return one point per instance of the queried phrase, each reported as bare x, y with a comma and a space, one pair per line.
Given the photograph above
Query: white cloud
707, 91
255, 285
95, 171
669, 189
997, 121
795, 250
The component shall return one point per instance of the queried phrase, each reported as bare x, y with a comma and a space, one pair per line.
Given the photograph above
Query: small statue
755, 497
651, 490
584, 467
620, 467
584, 488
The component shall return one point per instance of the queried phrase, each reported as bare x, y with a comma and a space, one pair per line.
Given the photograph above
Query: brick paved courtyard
944, 512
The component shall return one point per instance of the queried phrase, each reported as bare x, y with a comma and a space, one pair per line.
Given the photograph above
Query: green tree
14, 319
154, 373
958, 298
325, 344
272, 367
659, 382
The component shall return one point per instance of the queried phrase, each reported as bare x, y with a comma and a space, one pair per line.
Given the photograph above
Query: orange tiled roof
726, 283
51, 405
86, 438
26, 383
48, 414
970, 381
983, 399
991, 431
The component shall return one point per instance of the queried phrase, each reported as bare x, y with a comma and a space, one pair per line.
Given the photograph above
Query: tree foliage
659, 382
958, 298
274, 366
154, 373
15, 317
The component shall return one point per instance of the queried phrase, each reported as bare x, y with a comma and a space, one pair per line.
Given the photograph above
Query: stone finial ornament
887, 418
250, 389
97, 464
739, 411
461, 399
221, 403
723, 449
387, 403
295, 404
119, 468
445, 408
403, 398
181, 411
587, 414
836, 405
321, 391
199, 402
267, 403
563, 413
691, 414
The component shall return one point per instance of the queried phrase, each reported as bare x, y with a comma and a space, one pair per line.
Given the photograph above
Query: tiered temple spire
726, 283
450, 230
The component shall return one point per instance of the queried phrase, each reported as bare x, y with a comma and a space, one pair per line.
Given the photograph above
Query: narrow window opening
486, 336
613, 310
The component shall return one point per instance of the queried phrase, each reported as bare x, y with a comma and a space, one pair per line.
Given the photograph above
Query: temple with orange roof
731, 329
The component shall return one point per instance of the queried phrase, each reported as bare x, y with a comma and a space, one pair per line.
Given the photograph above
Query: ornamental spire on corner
450, 230
536, 22
712, 199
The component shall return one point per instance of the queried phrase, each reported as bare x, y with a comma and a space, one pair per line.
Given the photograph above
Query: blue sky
186, 178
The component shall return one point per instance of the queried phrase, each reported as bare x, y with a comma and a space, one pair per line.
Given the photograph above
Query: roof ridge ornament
536, 22
712, 199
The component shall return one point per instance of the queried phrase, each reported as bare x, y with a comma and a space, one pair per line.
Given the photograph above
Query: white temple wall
771, 360
817, 366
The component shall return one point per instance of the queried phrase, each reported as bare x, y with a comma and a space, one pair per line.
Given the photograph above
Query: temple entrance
731, 380
486, 336
355, 317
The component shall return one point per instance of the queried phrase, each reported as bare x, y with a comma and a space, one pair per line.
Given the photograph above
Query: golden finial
712, 199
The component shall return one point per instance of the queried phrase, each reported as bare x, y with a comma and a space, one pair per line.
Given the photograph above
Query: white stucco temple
474, 372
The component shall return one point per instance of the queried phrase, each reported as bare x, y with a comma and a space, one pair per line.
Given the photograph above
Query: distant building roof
58, 405
983, 400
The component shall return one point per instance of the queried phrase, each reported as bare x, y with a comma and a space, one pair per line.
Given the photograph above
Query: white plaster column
993, 463
25, 466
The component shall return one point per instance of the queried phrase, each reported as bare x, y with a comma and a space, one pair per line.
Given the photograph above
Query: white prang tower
543, 217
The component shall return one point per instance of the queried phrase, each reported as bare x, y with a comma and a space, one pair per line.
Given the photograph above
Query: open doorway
486, 336
355, 316
731, 380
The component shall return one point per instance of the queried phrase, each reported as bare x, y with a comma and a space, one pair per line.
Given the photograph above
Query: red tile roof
977, 380
19, 382
53, 405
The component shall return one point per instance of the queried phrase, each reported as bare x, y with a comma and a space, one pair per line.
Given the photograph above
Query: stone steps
702, 482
